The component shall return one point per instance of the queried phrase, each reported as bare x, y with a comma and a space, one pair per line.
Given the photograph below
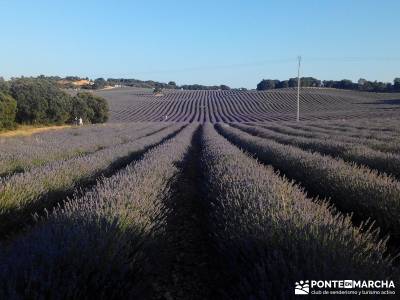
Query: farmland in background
226, 198
138, 105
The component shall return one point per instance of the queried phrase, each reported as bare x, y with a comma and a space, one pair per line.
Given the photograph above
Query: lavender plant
352, 188
23, 194
269, 234
381, 141
100, 245
364, 136
23, 153
384, 162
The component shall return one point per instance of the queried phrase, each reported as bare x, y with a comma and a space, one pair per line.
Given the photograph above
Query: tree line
360, 85
40, 101
100, 83
155, 84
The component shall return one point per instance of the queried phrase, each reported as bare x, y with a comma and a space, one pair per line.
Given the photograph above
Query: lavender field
227, 198
140, 105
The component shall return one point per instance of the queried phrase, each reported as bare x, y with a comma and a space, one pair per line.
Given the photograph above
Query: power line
216, 67
352, 59
265, 62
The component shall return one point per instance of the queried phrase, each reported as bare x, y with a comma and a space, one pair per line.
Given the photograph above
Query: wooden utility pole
298, 89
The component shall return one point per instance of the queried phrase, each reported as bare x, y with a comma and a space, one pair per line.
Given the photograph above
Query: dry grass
27, 130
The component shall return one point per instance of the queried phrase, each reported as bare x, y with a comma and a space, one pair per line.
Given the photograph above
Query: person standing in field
80, 122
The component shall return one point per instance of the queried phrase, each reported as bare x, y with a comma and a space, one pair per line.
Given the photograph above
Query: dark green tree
80, 109
40, 101
100, 109
282, 84
99, 83
292, 82
310, 82
31, 97
8, 110
362, 81
4, 86
266, 84
91, 108
396, 84
347, 84
157, 90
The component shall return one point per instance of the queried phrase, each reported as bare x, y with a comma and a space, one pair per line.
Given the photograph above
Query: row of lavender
350, 152
265, 233
361, 126
356, 189
23, 153
24, 194
104, 244
376, 146
269, 234
382, 136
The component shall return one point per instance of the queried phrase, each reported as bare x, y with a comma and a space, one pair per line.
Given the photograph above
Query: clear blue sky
208, 42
